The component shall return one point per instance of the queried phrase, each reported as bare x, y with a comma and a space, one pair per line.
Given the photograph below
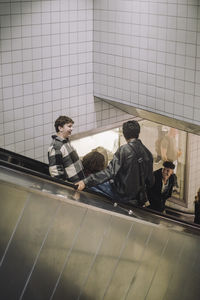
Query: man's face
66, 130
167, 172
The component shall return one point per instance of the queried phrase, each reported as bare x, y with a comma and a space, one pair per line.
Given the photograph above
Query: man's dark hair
61, 121
131, 129
169, 165
93, 162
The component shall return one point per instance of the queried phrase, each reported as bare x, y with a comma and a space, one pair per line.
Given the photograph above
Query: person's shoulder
158, 172
173, 178
122, 151
57, 143
145, 149
124, 148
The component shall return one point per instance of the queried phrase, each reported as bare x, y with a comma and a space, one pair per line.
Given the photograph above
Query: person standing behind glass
197, 208
169, 150
164, 180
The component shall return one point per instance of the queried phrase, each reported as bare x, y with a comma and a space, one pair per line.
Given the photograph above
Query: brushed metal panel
129, 262
56, 249
166, 266
25, 245
83, 255
109, 254
12, 202
69, 250
184, 268
191, 286
143, 276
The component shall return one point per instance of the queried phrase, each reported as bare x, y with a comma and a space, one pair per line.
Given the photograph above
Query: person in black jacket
197, 208
164, 180
123, 174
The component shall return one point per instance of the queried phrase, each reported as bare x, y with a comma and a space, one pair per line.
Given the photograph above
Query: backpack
141, 195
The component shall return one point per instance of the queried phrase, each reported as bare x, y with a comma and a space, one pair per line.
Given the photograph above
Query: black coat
197, 212
156, 198
124, 170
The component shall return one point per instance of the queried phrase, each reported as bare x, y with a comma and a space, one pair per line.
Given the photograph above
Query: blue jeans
106, 189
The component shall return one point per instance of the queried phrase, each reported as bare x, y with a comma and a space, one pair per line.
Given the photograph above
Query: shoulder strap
141, 173
140, 163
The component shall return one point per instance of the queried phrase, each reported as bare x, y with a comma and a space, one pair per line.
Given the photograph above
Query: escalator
56, 243
31, 166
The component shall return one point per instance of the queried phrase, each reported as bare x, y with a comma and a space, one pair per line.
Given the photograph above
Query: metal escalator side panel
57, 248
11, 210
55, 252
25, 245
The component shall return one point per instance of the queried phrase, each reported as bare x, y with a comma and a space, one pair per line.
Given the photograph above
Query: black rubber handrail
20, 167
127, 209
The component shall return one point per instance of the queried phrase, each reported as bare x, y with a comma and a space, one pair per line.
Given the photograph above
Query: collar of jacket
132, 140
58, 138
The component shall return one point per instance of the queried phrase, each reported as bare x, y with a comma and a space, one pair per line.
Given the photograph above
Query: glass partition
167, 143
164, 142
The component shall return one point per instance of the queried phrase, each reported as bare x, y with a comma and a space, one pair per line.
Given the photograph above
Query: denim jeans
106, 189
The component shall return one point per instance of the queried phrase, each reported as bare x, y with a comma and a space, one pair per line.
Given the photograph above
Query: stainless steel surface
155, 117
55, 245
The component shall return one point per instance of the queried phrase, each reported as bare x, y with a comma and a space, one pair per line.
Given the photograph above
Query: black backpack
141, 195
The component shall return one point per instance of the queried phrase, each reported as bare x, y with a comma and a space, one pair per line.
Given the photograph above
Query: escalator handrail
36, 173
45, 166
121, 206
20, 156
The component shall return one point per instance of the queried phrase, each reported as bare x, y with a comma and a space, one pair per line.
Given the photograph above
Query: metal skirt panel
54, 249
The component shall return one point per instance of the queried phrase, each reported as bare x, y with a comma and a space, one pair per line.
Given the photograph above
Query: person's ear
60, 128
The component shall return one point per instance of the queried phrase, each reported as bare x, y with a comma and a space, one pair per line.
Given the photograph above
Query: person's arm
150, 178
173, 182
179, 152
102, 176
163, 153
80, 185
56, 168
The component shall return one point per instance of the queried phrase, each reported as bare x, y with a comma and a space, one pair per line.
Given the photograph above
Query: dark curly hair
93, 162
169, 165
131, 129
61, 121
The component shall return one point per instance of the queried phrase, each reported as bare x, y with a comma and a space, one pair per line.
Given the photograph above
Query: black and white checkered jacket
64, 162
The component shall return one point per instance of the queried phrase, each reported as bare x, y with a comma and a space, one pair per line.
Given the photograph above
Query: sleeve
150, 180
165, 143
56, 168
109, 173
173, 181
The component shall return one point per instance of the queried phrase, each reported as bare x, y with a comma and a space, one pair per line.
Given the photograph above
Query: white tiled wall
46, 69
147, 54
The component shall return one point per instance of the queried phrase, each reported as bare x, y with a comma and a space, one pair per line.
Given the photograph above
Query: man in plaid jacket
64, 162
